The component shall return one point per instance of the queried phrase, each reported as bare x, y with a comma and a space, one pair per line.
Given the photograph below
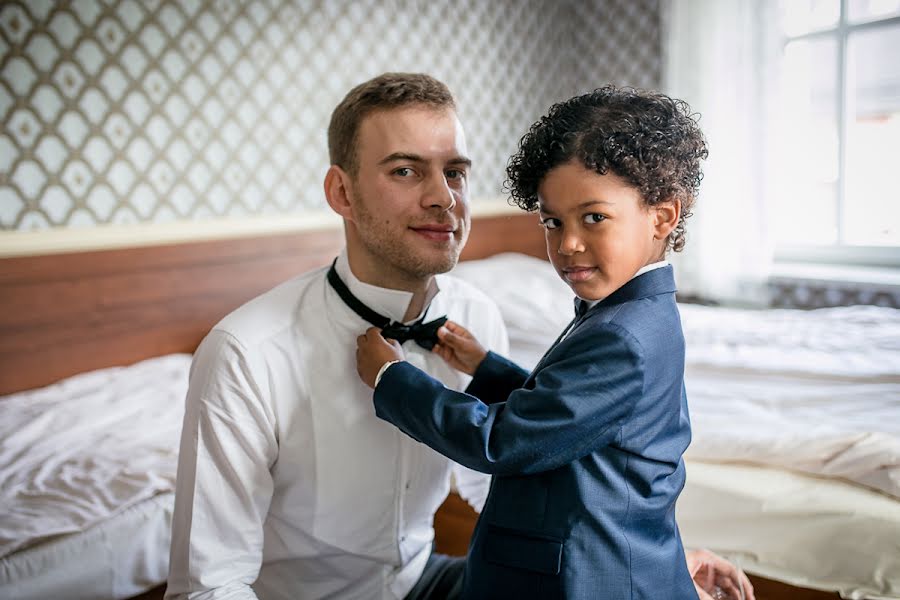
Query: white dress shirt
288, 484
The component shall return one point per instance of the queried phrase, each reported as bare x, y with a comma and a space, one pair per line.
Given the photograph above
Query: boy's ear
337, 191
665, 217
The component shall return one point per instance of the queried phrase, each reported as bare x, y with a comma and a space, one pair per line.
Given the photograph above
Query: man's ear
337, 191
665, 218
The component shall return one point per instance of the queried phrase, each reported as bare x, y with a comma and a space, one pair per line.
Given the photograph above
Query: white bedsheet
119, 557
809, 531
813, 391
78, 452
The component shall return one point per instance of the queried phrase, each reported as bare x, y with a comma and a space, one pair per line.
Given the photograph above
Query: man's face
409, 197
599, 232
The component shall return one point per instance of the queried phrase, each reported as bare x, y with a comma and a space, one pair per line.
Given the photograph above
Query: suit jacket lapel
652, 283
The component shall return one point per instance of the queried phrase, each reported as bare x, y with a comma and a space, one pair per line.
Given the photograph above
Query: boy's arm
578, 403
224, 485
495, 379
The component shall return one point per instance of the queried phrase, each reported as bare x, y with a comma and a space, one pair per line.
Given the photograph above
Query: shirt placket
407, 471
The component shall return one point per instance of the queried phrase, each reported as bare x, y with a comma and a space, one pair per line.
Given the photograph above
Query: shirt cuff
384, 368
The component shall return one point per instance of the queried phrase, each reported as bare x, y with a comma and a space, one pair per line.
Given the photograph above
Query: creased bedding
812, 391
80, 451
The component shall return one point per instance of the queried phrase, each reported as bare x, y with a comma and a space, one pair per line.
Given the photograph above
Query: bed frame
67, 313
64, 314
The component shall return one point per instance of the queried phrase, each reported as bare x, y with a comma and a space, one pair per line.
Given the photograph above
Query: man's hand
459, 348
717, 579
372, 352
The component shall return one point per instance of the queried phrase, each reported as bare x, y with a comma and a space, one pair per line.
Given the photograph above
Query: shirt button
408, 484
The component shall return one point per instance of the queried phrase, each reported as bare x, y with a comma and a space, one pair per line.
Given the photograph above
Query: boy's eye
550, 223
594, 218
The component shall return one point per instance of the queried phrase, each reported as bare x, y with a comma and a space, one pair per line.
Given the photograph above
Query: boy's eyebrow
585, 204
395, 156
592, 202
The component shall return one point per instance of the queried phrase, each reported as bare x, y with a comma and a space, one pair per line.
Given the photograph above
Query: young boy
586, 450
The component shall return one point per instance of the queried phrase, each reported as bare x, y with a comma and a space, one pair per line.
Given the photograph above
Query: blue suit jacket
585, 451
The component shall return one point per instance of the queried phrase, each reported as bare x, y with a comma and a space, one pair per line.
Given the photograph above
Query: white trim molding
103, 237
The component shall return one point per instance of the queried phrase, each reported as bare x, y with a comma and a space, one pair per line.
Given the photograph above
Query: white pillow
535, 303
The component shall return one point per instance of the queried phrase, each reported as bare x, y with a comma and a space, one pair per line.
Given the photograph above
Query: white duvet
813, 391
77, 452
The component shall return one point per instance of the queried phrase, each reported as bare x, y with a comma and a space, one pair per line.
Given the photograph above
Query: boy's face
598, 230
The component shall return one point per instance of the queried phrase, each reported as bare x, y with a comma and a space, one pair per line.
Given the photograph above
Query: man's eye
550, 223
594, 218
403, 171
455, 174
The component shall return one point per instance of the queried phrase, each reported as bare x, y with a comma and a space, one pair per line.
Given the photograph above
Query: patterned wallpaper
146, 111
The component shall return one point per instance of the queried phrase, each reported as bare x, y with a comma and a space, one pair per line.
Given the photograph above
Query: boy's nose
570, 244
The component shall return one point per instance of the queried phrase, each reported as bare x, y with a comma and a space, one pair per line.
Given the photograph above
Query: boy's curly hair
647, 138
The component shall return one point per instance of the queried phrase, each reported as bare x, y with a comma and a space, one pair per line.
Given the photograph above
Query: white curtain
721, 57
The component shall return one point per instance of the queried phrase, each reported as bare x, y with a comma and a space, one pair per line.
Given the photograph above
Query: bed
90, 519
87, 500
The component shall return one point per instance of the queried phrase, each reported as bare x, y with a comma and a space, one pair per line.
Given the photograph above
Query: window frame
840, 253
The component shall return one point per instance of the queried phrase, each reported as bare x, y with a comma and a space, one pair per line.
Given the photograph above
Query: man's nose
438, 193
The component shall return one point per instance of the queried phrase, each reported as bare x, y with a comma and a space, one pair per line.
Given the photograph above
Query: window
837, 134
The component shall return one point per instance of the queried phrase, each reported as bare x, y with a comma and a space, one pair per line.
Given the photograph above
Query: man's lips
577, 274
435, 231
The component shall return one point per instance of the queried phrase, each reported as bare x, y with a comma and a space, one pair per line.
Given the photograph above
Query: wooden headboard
68, 313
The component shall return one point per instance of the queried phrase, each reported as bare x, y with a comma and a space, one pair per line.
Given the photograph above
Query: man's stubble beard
380, 241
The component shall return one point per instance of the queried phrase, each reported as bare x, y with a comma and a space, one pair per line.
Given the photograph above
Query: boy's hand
459, 348
372, 352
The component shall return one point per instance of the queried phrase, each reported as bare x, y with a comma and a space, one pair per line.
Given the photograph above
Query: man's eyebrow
408, 156
395, 156
460, 160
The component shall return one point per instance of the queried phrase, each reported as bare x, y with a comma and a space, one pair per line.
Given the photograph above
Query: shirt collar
641, 271
390, 303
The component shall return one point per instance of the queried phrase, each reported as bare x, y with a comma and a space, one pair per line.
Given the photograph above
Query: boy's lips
578, 274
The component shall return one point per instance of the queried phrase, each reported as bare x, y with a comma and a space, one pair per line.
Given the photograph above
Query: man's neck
386, 278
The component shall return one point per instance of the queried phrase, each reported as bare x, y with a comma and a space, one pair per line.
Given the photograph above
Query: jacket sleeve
584, 392
224, 485
495, 379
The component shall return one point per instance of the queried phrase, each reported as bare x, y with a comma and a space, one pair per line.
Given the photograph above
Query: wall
148, 112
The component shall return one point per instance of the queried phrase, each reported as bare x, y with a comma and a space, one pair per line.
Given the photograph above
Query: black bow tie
424, 334
581, 307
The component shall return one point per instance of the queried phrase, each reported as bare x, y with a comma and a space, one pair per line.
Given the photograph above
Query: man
288, 485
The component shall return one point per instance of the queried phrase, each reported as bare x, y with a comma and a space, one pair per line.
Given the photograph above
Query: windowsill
833, 273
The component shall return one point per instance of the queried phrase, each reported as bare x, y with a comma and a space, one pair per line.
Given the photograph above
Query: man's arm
715, 578
224, 485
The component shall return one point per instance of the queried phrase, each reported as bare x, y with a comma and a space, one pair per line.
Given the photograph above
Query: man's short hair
387, 91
